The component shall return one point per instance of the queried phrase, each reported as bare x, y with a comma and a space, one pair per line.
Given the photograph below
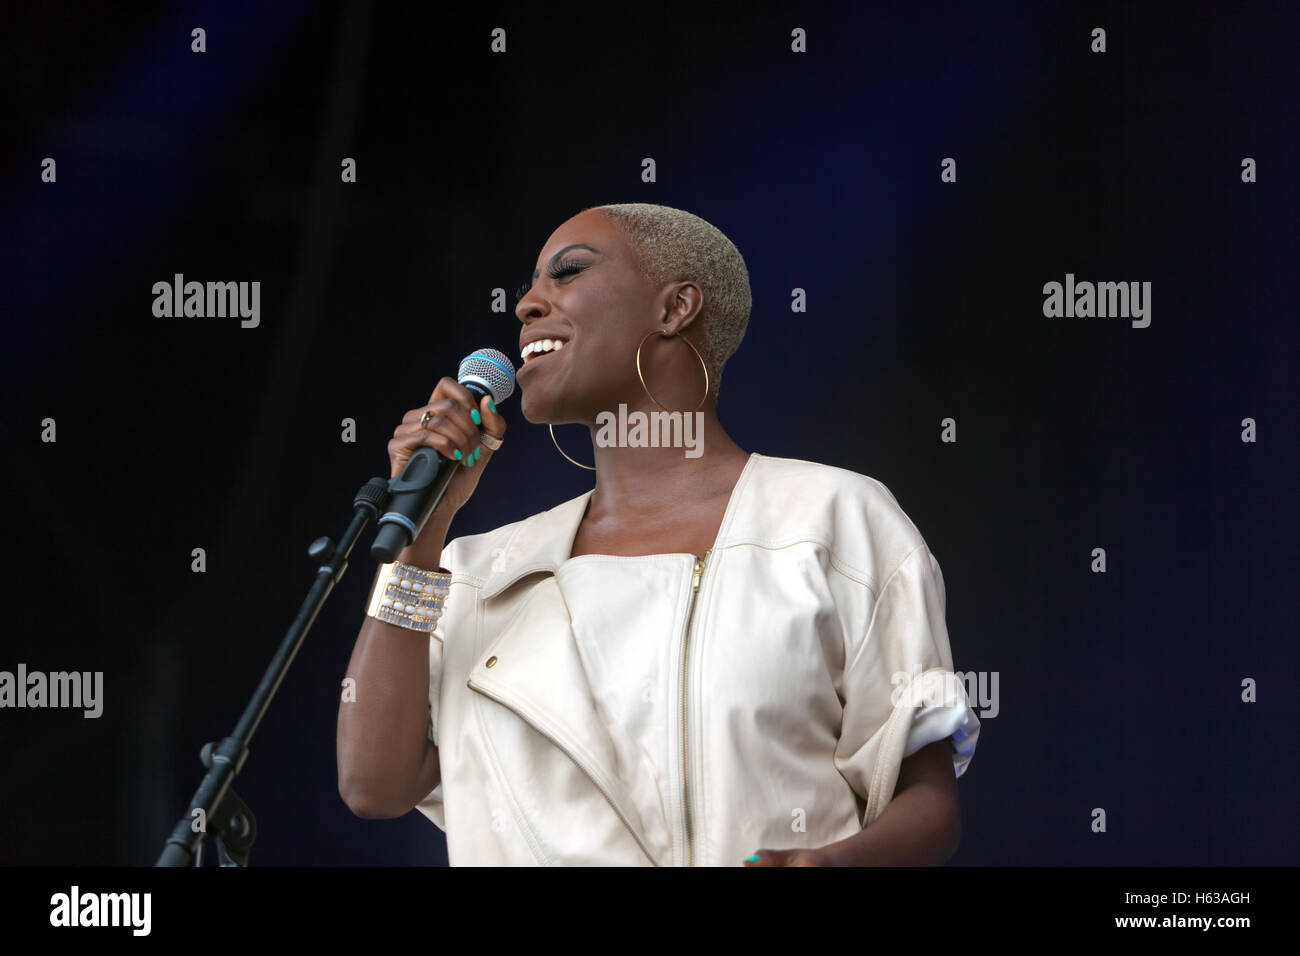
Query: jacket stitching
602, 782
895, 725
516, 810
875, 608
876, 799
530, 838
850, 571
701, 830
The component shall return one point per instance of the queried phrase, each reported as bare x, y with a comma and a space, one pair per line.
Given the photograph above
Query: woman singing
711, 658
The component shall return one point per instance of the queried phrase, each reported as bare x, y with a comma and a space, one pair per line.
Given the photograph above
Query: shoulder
857, 517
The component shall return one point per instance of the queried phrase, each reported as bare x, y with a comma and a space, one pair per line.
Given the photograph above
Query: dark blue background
1119, 691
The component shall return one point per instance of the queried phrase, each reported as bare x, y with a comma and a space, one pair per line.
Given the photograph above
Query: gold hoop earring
561, 450
677, 335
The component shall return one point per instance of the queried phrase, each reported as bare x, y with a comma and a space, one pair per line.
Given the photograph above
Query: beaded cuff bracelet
408, 596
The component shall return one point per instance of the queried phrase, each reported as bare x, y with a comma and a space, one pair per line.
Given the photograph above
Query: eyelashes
562, 268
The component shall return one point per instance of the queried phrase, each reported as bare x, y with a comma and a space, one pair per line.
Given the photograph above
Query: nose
530, 307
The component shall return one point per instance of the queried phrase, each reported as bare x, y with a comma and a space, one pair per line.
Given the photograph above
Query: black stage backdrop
919, 171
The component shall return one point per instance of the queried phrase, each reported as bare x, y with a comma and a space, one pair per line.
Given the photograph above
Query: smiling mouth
534, 350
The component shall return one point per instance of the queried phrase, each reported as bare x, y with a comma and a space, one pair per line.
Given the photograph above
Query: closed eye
560, 270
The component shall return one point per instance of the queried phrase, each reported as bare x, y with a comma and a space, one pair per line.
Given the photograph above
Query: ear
682, 302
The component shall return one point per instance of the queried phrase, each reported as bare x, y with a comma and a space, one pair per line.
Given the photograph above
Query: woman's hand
452, 431
817, 857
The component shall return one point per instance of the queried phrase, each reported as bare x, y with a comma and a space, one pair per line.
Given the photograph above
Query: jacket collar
544, 541
540, 543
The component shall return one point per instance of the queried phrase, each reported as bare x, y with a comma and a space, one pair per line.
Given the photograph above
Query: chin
534, 413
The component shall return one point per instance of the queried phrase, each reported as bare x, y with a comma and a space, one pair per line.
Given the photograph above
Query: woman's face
587, 293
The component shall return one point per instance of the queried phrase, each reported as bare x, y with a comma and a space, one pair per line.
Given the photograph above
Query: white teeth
541, 345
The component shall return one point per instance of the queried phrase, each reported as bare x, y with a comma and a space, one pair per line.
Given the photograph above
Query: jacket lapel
534, 667
540, 543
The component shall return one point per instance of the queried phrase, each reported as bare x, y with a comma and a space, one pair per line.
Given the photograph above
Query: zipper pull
699, 569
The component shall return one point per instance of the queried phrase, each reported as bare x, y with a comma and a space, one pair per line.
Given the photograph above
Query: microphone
419, 489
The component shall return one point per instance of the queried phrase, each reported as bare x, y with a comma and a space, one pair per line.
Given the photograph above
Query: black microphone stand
215, 807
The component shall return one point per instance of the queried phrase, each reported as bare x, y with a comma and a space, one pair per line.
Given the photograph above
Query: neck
635, 478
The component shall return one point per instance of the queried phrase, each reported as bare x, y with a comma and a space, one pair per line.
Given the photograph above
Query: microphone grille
490, 369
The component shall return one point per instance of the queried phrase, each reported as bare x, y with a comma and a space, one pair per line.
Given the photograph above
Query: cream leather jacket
668, 711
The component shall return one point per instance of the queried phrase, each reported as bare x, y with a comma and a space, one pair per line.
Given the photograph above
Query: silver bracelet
408, 596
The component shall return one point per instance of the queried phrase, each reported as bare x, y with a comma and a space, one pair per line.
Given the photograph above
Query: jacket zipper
582, 766
697, 573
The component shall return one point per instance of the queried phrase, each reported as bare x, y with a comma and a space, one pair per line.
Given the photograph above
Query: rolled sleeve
900, 691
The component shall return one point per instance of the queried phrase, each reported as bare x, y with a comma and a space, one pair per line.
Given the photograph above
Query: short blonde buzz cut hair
672, 245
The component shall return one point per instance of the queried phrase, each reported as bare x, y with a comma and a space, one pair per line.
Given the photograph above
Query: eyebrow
556, 258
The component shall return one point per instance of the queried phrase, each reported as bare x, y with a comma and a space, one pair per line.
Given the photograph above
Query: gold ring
492, 443
424, 420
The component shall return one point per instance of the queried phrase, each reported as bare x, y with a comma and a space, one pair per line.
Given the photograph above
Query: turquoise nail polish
456, 454
469, 461
478, 452
492, 405
478, 419
752, 859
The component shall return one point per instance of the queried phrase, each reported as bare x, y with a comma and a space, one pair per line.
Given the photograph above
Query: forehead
590, 227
